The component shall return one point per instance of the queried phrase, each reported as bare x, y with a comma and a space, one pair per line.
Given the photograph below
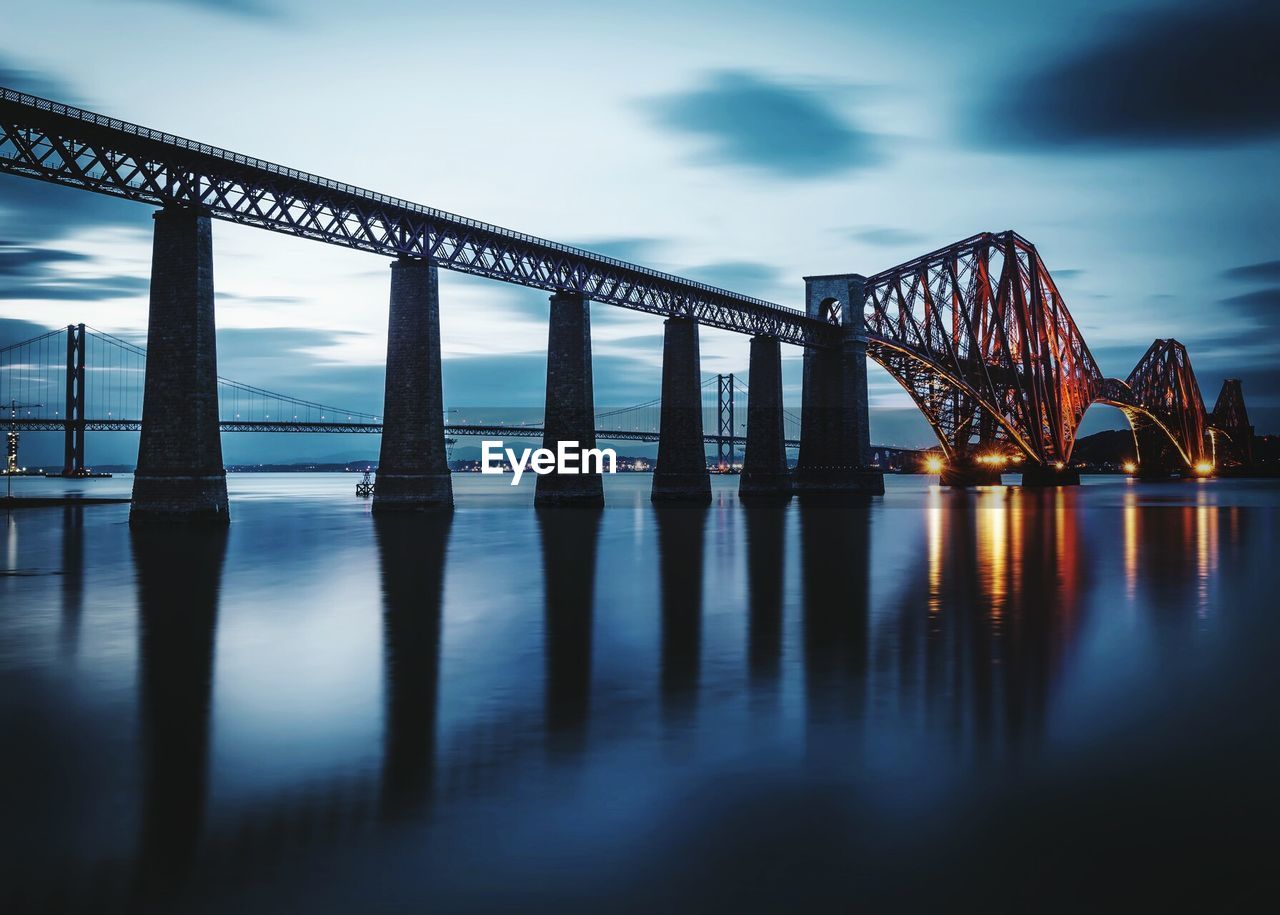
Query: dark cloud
13, 330
32, 273
17, 260
77, 289
251, 9
886, 236
1201, 76
632, 250
1261, 307
784, 130
1265, 272
34, 211
747, 277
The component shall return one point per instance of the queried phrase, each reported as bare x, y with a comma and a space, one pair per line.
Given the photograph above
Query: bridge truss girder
984, 318
1163, 386
77, 148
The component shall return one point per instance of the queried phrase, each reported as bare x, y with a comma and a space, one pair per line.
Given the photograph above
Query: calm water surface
996, 700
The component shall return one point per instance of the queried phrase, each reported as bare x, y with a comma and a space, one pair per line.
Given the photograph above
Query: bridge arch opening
1152, 445
964, 422
830, 309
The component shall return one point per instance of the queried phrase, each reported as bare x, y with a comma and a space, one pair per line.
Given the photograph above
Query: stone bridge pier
681, 474
180, 475
764, 465
570, 414
413, 466
835, 440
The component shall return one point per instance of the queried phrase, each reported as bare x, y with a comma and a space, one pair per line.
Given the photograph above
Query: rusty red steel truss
981, 338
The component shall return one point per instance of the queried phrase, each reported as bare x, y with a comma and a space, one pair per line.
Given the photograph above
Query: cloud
249, 9
1265, 272
747, 277
1200, 76
633, 250
33, 273
886, 236
783, 130
1261, 307
13, 330
34, 211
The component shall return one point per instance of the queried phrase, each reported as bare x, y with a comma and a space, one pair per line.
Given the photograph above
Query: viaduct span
976, 332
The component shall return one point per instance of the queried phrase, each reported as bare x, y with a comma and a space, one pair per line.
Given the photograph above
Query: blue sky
746, 143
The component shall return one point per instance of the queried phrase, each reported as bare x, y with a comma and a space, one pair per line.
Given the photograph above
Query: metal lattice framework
980, 337
1163, 390
1230, 431
70, 146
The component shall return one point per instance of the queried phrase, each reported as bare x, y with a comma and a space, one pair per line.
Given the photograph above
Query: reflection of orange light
1204, 468
934, 465
1130, 467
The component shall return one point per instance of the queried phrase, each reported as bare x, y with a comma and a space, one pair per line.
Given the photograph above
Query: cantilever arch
835, 440
570, 410
180, 476
764, 466
681, 474
413, 468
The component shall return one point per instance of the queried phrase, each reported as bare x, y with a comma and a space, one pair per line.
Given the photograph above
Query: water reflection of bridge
973, 649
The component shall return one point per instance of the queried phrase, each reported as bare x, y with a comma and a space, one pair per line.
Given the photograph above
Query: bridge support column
180, 476
570, 411
1158, 459
681, 474
413, 467
1049, 475
835, 439
764, 466
963, 471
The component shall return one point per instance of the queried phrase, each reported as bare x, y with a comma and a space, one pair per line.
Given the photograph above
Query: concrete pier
570, 410
1158, 459
834, 428
180, 476
681, 474
413, 469
764, 466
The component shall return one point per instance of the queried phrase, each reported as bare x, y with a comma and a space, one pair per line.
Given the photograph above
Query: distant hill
1112, 447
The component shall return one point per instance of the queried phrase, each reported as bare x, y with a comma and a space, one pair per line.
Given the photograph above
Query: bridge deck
65, 145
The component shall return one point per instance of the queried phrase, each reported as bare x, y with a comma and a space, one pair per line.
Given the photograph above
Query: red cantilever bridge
979, 335
977, 332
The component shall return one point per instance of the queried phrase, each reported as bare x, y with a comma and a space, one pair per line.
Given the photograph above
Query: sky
746, 144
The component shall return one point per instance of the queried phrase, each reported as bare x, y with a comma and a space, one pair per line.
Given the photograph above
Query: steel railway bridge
976, 332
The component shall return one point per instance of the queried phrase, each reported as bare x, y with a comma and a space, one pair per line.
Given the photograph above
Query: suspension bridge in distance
79, 380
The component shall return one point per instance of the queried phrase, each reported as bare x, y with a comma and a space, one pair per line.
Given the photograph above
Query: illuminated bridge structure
976, 332
981, 338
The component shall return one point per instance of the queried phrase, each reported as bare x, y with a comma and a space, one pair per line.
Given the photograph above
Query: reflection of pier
569, 538
412, 550
680, 552
178, 573
971, 649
